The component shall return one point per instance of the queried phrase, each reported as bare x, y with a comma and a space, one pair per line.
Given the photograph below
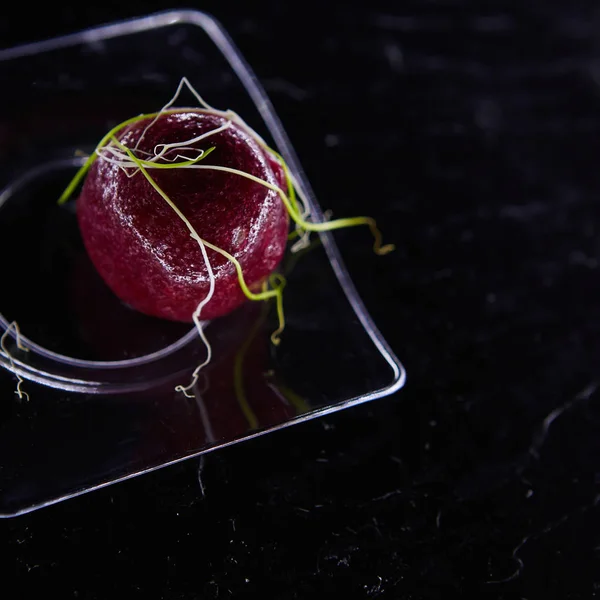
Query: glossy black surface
473, 133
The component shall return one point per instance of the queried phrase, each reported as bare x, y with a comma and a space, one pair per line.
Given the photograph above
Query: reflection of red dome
109, 329
220, 412
237, 395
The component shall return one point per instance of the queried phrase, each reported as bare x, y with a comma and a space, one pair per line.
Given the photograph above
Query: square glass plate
100, 377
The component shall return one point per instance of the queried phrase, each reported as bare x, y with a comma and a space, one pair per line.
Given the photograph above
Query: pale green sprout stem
277, 281
292, 186
19, 391
276, 292
92, 157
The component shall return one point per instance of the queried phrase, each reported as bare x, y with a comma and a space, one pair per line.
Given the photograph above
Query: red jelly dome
144, 251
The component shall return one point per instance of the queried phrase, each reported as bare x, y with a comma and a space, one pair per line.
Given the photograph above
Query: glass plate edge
223, 41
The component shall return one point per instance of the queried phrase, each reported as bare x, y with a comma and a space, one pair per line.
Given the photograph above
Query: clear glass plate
100, 377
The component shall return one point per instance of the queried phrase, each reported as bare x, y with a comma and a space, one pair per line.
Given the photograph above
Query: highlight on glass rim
186, 213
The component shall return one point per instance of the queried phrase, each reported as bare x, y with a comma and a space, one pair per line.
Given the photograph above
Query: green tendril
88, 163
378, 248
288, 178
304, 225
77, 179
275, 292
277, 282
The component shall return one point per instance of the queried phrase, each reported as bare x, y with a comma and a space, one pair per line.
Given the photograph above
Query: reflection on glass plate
100, 376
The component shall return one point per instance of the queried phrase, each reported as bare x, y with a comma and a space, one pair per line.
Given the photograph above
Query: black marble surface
472, 132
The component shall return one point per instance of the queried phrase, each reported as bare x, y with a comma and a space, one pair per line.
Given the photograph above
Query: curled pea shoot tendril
19, 391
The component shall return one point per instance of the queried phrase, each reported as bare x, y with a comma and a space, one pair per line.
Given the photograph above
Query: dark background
472, 132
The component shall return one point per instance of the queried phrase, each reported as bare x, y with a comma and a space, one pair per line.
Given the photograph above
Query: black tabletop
472, 133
